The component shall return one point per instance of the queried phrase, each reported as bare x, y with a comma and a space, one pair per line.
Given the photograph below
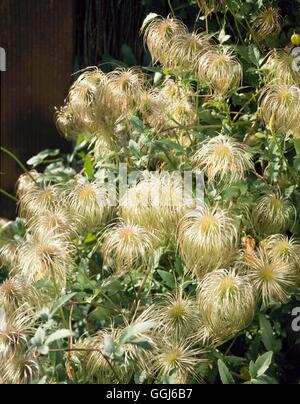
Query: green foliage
105, 309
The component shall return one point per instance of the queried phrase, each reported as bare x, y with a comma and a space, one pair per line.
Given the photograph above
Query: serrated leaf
225, 374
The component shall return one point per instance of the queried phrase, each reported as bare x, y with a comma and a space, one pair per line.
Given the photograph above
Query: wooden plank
39, 41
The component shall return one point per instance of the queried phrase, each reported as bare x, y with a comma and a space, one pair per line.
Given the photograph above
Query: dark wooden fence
45, 41
38, 37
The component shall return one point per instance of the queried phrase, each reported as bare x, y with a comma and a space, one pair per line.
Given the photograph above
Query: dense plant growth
106, 284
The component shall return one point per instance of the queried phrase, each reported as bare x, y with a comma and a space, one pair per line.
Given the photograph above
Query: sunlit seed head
177, 315
280, 106
285, 248
158, 33
15, 292
223, 159
40, 198
126, 246
119, 93
272, 277
227, 301
186, 49
26, 183
221, 70
45, 255
21, 368
157, 202
207, 239
267, 23
177, 356
280, 68
58, 221
15, 328
76, 116
90, 202
273, 214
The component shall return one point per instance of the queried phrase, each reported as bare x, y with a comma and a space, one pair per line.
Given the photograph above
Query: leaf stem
10, 196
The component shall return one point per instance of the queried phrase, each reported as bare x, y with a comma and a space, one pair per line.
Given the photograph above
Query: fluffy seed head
226, 301
45, 255
15, 292
280, 68
76, 116
25, 183
90, 202
15, 327
284, 248
186, 49
273, 214
158, 32
119, 93
223, 159
280, 106
126, 246
177, 315
157, 203
21, 368
207, 239
272, 277
221, 70
40, 198
176, 357
267, 23
58, 221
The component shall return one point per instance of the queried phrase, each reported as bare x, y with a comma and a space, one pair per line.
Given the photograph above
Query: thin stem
281, 151
10, 196
137, 300
171, 8
20, 164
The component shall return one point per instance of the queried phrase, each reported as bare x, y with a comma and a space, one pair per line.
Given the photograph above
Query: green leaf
60, 303
225, 374
142, 343
39, 337
263, 363
297, 146
223, 37
267, 334
252, 370
57, 335
254, 55
89, 166
108, 344
134, 330
168, 278
42, 156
